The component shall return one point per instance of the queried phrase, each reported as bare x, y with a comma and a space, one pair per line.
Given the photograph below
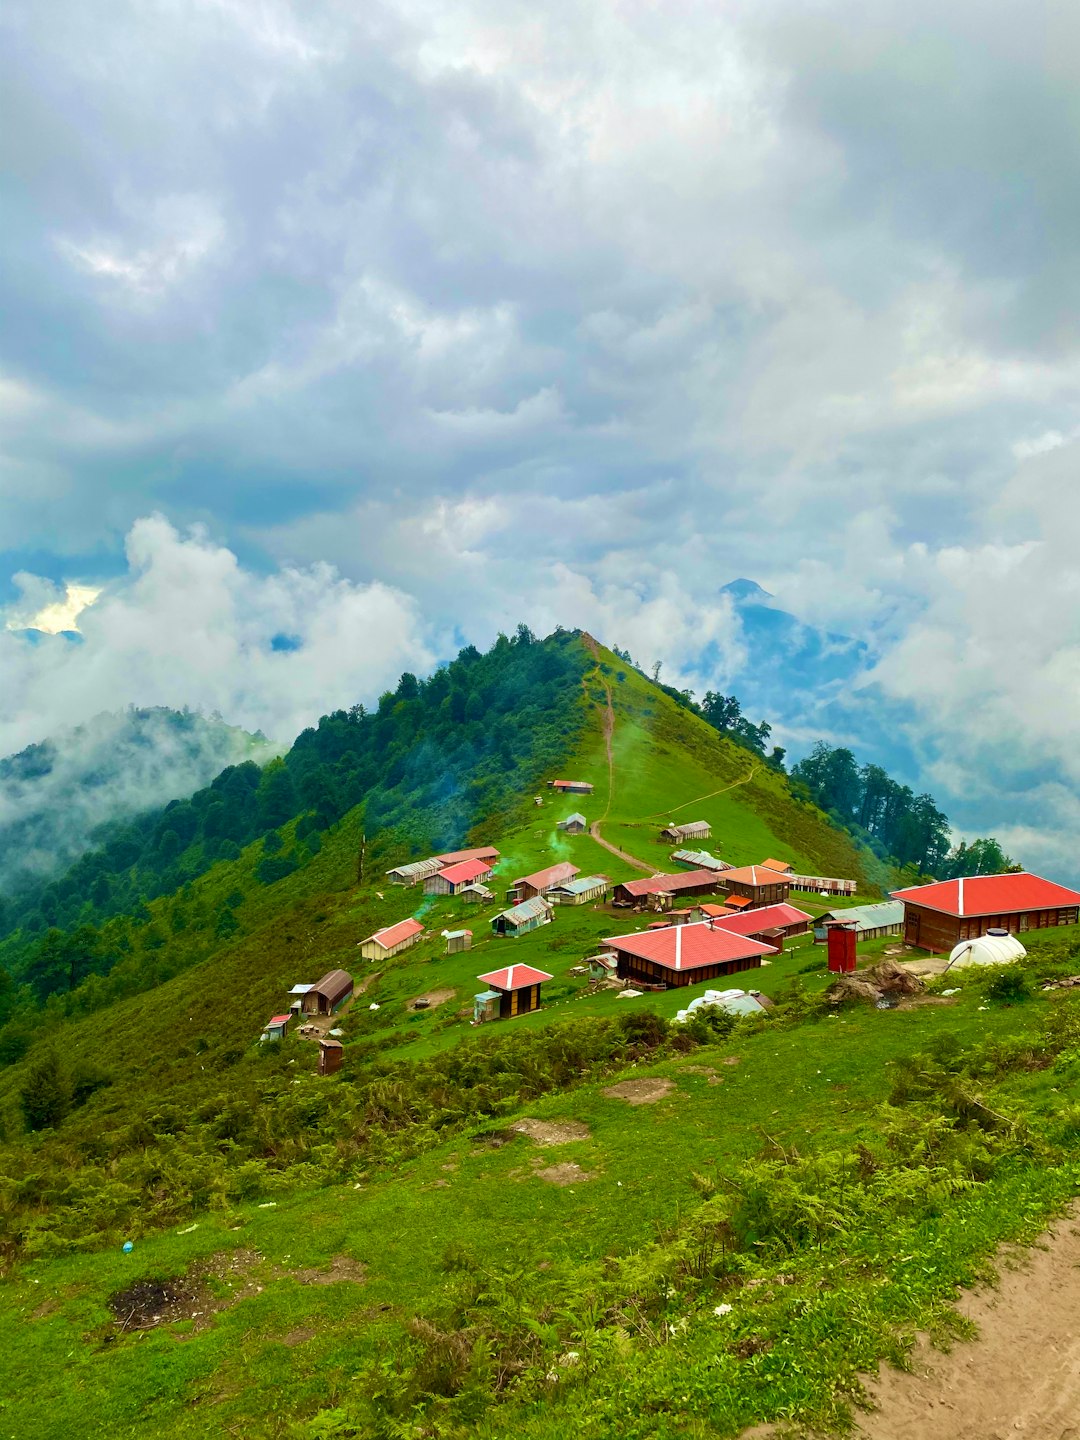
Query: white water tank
996, 947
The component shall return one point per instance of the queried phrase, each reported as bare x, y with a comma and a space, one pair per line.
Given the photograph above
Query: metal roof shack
412, 873
518, 989
938, 916
691, 830
699, 860
579, 891
573, 824
479, 852
571, 787
685, 954
518, 920
454, 877
689, 882
329, 993
392, 939
541, 881
870, 921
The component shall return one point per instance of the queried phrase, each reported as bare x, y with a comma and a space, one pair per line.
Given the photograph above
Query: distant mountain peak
743, 590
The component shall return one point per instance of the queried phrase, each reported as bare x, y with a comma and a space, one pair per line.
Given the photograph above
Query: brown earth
640, 1092
341, 1268
566, 1174
1020, 1377
433, 997
546, 1132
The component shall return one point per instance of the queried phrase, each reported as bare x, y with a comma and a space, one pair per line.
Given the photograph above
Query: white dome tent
996, 947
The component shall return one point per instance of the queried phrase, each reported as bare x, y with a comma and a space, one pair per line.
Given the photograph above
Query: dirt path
674, 810
1021, 1377
608, 722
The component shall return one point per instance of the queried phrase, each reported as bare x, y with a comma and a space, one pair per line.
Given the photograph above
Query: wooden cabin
331, 1054
692, 830
604, 966
276, 1028
541, 881
476, 893
575, 824
479, 852
579, 891
639, 892
520, 919
571, 787
821, 884
453, 878
755, 884
938, 916
680, 955
771, 924
457, 940
414, 873
870, 921
516, 989
391, 940
328, 994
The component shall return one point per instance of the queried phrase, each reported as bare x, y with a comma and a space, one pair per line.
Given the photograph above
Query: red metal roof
784, 866
454, 857
689, 947
279, 1019
735, 902
990, 895
394, 934
755, 875
551, 876
465, 871
514, 977
656, 884
767, 917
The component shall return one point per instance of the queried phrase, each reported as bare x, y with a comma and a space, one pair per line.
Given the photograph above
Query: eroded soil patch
342, 1268
431, 999
565, 1174
193, 1296
550, 1132
640, 1092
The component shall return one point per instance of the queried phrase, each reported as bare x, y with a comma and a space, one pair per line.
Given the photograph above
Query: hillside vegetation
469, 1232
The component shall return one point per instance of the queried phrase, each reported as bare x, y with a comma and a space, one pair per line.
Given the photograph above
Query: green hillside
382, 1252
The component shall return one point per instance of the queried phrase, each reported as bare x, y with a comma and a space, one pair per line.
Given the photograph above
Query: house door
911, 929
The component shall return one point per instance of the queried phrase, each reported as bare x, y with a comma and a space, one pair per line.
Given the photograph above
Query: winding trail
674, 809
608, 724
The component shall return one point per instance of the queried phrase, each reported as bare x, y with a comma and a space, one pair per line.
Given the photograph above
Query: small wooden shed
331, 1054
328, 994
519, 920
575, 824
391, 939
277, 1028
580, 890
518, 989
457, 940
691, 830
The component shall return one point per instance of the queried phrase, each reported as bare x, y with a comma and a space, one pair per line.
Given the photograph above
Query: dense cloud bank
441, 317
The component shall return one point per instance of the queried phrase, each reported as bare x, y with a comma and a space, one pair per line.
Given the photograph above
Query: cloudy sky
335, 335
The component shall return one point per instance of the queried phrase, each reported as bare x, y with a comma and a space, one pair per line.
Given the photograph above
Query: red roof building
391, 940
771, 924
541, 881
453, 878
481, 852
756, 883
685, 954
686, 882
940, 915
514, 990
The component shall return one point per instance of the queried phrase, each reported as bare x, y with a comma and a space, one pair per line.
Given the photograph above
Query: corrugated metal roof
417, 869
767, 917
464, 871
581, 884
570, 819
334, 984
480, 852
688, 947
542, 879
514, 977
990, 895
527, 910
700, 859
657, 884
867, 917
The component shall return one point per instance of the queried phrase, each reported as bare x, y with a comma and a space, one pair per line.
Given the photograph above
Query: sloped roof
464, 871
689, 947
334, 984
990, 894
541, 879
393, 935
700, 859
657, 884
756, 875
581, 884
514, 977
418, 869
577, 815
767, 917
690, 827
784, 866
866, 917
736, 902
481, 852
527, 910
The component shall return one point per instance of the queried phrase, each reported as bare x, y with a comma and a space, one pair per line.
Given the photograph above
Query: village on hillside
692, 928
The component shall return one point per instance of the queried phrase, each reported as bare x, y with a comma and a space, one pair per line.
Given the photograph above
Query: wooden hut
517, 988
413, 873
691, 830
870, 921
457, 940
938, 916
328, 994
575, 824
276, 1028
771, 924
478, 852
540, 881
640, 892
571, 787
331, 1054
391, 940
476, 893
604, 966
520, 919
453, 878
756, 884
579, 891
685, 954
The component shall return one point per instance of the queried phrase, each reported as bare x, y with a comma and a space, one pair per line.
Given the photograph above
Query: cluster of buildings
458, 872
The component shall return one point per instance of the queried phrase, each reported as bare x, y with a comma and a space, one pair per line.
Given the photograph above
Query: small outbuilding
604, 966
996, 947
520, 919
571, 787
691, 830
454, 878
413, 873
328, 994
276, 1029
457, 940
331, 1054
391, 940
477, 893
870, 921
541, 881
575, 824
580, 890
517, 988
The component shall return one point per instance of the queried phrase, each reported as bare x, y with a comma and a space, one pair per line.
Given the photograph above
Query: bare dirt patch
1020, 1377
342, 1268
640, 1092
298, 1336
731, 1060
566, 1174
549, 1132
433, 998
152, 1302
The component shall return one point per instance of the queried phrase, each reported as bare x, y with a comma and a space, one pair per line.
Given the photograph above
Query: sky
336, 336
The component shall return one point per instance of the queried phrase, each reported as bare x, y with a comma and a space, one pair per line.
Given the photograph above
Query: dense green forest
907, 829
426, 763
